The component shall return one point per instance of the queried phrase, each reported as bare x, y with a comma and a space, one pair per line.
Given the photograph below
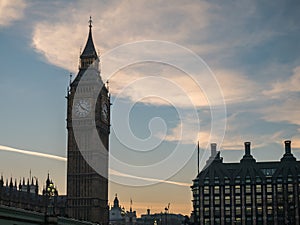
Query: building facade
118, 215
248, 192
88, 123
25, 195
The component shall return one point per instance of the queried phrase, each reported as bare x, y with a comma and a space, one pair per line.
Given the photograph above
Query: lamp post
50, 192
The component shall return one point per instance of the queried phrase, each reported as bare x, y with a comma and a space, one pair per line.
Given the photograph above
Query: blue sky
251, 47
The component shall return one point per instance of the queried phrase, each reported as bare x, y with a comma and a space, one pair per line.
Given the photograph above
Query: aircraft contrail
26, 152
116, 173
64, 159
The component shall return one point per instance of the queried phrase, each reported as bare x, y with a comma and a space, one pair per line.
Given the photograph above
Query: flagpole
198, 154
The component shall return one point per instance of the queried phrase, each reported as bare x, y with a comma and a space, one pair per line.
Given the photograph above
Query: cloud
284, 110
11, 11
236, 86
284, 86
113, 26
143, 83
284, 97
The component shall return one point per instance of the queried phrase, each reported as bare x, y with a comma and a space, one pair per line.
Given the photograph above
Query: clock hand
83, 108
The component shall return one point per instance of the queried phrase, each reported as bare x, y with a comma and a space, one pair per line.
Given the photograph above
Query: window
248, 211
227, 210
227, 189
227, 200
238, 210
258, 199
269, 188
258, 188
248, 179
226, 180
290, 198
259, 210
217, 211
237, 199
248, 199
269, 210
206, 200
258, 179
206, 190
217, 200
206, 211
237, 189
206, 180
269, 199
238, 220
248, 188
290, 187
217, 189
279, 188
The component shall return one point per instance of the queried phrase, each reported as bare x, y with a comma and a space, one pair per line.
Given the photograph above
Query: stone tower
88, 122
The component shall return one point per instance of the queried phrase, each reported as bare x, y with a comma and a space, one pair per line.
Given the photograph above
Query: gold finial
90, 22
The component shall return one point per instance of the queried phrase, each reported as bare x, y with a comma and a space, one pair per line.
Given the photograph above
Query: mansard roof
248, 168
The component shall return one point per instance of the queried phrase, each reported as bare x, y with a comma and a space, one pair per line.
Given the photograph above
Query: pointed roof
89, 49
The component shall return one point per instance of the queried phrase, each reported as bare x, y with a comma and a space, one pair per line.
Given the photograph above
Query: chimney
213, 147
148, 212
247, 148
287, 147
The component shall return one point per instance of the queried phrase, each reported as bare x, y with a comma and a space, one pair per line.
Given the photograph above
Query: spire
48, 180
1, 181
116, 202
89, 49
11, 183
20, 184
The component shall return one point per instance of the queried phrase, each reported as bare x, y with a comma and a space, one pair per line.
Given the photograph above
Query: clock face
104, 112
82, 108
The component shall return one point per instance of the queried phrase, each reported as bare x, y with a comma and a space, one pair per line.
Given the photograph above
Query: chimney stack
213, 147
287, 147
247, 148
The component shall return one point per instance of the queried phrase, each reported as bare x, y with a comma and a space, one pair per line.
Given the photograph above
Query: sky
207, 71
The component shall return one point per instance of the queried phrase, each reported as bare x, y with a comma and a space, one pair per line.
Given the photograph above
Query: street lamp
50, 192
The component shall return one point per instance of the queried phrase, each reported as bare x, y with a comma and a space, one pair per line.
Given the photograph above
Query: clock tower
88, 122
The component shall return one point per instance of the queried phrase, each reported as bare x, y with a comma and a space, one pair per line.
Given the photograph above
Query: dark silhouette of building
88, 123
248, 192
26, 196
165, 218
118, 215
